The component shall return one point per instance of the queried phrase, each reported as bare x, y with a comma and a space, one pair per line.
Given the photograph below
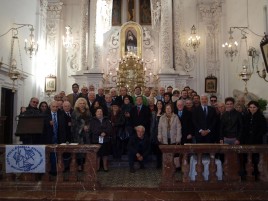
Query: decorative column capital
54, 9
210, 10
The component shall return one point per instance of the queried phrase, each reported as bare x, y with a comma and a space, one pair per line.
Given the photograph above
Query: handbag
124, 133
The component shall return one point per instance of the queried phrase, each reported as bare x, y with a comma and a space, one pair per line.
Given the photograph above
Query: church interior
216, 47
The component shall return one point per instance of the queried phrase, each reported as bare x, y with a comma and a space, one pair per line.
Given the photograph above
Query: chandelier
194, 39
67, 40
13, 72
30, 46
130, 72
245, 74
230, 47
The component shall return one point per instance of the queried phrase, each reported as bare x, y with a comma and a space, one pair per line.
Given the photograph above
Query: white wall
236, 15
21, 12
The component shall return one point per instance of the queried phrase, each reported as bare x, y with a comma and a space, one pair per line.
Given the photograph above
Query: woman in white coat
169, 127
169, 131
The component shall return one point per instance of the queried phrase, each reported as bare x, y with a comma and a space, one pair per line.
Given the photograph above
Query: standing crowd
136, 124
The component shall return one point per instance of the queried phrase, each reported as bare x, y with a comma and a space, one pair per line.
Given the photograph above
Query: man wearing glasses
213, 101
32, 108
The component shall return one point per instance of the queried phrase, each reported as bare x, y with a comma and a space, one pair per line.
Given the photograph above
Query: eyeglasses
213, 100
35, 102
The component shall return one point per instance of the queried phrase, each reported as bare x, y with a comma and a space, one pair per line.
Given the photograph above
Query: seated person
138, 148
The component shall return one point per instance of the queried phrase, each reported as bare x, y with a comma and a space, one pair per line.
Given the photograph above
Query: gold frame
264, 50
133, 26
211, 84
50, 83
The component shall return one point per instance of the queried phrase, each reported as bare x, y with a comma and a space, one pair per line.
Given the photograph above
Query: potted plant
262, 103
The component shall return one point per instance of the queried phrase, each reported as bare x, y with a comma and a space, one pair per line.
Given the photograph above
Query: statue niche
131, 71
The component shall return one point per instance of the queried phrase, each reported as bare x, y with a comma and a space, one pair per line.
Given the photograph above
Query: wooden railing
231, 157
71, 179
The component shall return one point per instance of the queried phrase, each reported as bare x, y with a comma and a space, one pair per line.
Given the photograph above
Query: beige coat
175, 129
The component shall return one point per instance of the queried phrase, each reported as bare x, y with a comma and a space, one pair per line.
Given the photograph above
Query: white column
53, 38
84, 34
166, 35
96, 37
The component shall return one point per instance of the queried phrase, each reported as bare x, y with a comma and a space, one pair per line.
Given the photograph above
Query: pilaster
166, 36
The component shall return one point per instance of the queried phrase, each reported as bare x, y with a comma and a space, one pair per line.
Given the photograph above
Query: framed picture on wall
131, 10
116, 13
211, 84
264, 50
145, 12
50, 83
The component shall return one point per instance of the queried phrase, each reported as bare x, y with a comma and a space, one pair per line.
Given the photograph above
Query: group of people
136, 124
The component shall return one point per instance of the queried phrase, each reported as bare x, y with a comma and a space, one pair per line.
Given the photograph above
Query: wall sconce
68, 39
194, 39
231, 47
30, 46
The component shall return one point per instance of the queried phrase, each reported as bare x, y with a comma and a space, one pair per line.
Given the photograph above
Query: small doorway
7, 110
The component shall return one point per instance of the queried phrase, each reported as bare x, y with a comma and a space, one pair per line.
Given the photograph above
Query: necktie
205, 110
180, 113
55, 128
139, 109
68, 114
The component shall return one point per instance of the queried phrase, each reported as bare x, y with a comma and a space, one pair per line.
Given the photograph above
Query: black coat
202, 122
135, 143
48, 131
231, 125
143, 118
187, 126
68, 126
119, 100
97, 127
255, 128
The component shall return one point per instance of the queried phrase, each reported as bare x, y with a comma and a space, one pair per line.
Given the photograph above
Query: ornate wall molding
52, 31
166, 43
54, 10
211, 13
210, 9
156, 13
83, 36
43, 15
184, 59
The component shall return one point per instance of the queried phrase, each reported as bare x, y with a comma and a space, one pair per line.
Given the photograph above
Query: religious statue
131, 42
156, 14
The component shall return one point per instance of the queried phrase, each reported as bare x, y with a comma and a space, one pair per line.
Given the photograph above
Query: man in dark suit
140, 115
185, 117
55, 132
123, 93
204, 119
67, 112
73, 96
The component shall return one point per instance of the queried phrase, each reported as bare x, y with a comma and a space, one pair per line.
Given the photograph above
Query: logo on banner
21, 158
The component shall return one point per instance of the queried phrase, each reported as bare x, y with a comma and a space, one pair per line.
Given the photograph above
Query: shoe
142, 167
106, 170
178, 169
53, 173
66, 169
132, 170
79, 168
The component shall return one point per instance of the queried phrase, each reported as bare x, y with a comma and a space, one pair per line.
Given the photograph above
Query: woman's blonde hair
76, 105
